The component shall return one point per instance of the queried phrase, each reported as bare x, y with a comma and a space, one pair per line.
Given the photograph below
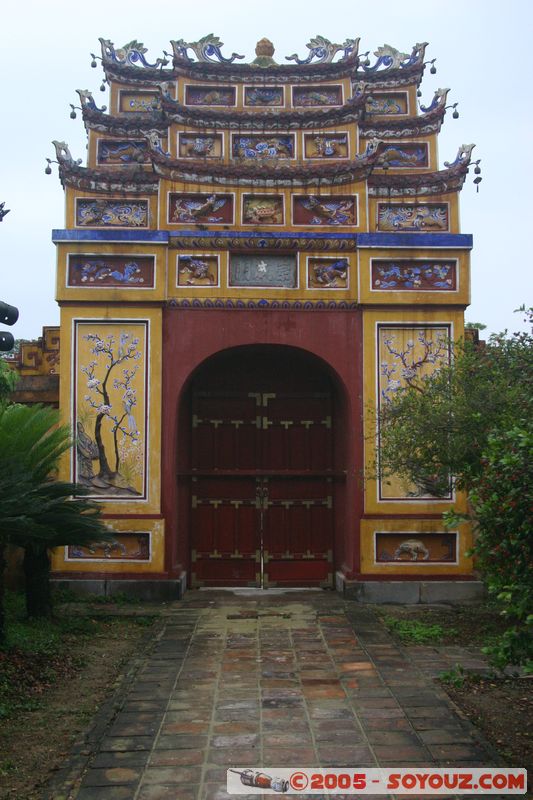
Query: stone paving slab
266, 680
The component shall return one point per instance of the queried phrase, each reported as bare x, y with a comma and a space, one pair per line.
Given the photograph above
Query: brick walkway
296, 679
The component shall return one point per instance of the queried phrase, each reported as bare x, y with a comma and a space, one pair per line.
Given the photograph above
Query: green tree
8, 381
471, 423
38, 512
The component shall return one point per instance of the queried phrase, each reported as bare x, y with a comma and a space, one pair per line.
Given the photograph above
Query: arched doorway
265, 468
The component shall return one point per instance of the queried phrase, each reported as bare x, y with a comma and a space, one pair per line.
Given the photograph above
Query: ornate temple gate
261, 486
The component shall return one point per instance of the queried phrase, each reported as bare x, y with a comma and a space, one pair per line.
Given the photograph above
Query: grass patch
414, 631
38, 653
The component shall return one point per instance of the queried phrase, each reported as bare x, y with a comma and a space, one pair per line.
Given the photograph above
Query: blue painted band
414, 240
411, 240
63, 235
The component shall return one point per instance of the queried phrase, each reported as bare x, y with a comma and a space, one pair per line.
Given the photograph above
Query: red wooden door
261, 487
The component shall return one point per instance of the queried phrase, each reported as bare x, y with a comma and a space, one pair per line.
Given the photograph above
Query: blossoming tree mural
110, 422
407, 355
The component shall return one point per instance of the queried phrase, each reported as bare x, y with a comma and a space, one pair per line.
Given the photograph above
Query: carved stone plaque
263, 270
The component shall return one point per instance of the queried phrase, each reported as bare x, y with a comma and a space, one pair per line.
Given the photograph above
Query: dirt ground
34, 742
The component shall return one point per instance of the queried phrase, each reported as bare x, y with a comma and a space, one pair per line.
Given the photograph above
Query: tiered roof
203, 61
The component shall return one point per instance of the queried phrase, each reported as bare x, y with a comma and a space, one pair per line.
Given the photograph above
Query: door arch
265, 468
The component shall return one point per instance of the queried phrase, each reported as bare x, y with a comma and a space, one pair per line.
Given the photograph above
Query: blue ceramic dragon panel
324, 210
215, 209
404, 155
99, 272
413, 217
112, 213
435, 275
263, 146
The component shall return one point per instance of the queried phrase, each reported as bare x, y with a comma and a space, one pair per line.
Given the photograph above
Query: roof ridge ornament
207, 49
87, 101
389, 57
131, 54
155, 142
64, 156
325, 51
439, 99
463, 156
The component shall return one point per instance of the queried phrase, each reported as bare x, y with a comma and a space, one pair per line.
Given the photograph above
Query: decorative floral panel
129, 546
328, 273
112, 213
324, 210
263, 270
431, 275
197, 271
110, 368
416, 548
121, 152
210, 95
262, 146
262, 209
404, 155
98, 272
406, 354
200, 145
316, 96
389, 104
270, 96
326, 145
413, 216
135, 102
215, 209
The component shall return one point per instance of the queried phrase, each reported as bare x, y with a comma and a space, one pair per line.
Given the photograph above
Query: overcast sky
483, 51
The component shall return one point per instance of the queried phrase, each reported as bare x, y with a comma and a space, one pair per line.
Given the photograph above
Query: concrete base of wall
411, 592
143, 589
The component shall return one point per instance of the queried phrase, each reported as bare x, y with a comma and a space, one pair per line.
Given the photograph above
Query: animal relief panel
307, 96
327, 273
98, 272
262, 209
138, 102
210, 96
416, 548
109, 408
263, 271
412, 217
131, 546
324, 146
113, 152
111, 213
259, 96
197, 271
406, 355
216, 209
199, 145
324, 210
389, 104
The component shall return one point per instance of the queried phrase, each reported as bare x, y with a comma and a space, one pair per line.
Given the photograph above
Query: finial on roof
264, 50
